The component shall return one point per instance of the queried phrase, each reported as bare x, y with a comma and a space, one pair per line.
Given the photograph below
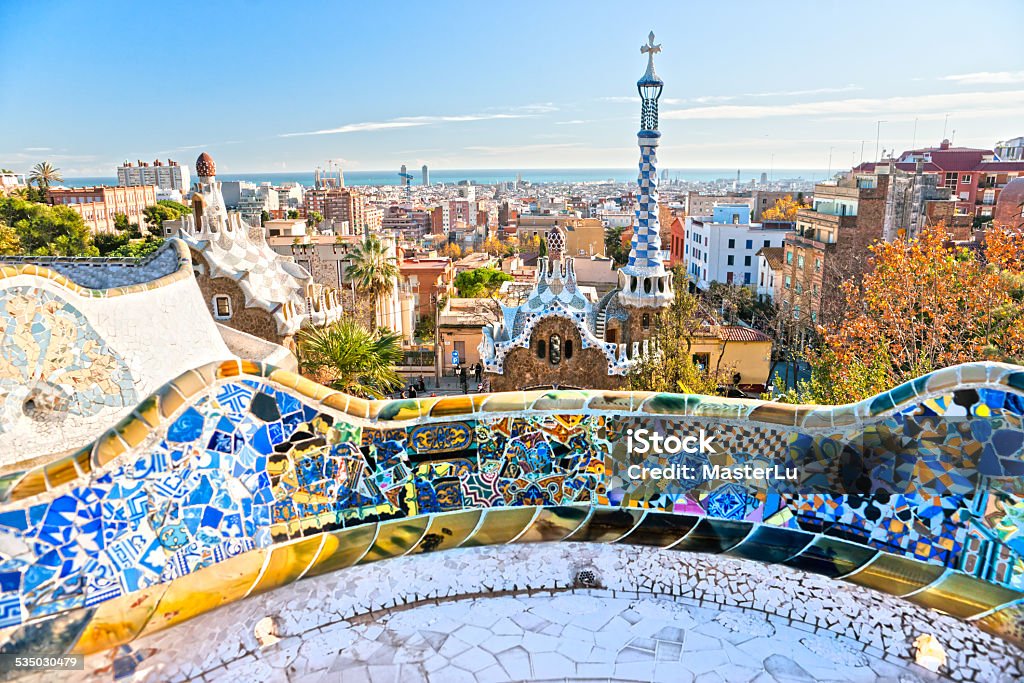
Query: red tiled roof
742, 334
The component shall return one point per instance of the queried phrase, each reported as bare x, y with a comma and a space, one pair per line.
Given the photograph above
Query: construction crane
407, 182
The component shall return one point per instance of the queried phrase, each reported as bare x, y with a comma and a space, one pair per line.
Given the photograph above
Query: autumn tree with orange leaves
784, 209
923, 305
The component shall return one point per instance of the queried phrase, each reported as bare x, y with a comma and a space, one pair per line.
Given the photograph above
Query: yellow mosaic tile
205, 589
118, 621
287, 562
342, 548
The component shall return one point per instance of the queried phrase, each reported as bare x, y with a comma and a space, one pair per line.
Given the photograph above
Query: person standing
464, 380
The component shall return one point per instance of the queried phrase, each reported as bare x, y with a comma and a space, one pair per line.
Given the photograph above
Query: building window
799, 288
222, 307
950, 179
789, 281
729, 260
555, 350
702, 360
789, 258
800, 261
746, 260
750, 244
568, 349
746, 276
645, 321
732, 244
767, 243
817, 265
965, 179
542, 349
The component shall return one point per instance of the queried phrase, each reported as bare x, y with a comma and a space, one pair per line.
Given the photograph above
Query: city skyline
373, 88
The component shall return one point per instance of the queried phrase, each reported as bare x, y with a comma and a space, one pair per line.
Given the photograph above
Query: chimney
944, 145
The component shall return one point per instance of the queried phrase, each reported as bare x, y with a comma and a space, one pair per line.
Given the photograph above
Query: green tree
373, 271
264, 217
47, 230
293, 214
348, 357
164, 210
613, 248
44, 174
480, 282
669, 365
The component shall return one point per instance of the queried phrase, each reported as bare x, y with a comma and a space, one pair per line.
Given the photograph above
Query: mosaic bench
237, 478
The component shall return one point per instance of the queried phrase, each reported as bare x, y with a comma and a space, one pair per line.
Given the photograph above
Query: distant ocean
492, 176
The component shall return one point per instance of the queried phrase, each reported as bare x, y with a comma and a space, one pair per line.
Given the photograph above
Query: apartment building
98, 205
723, 247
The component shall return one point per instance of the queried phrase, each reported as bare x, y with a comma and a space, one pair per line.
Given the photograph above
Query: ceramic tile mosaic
268, 477
53, 360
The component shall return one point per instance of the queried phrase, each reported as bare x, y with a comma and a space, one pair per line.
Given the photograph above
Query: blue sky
284, 86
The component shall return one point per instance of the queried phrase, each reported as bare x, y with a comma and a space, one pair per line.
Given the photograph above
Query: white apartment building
723, 247
164, 176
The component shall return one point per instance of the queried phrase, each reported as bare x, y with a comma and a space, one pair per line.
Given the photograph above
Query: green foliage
543, 249
613, 248
264, 217
43, 174
480, 282
47, 230
425, 328
350, 358
373, 271
139, 248
107, 243
164, 210
738, 303
669, 367
293, 214
836, 383
177, 207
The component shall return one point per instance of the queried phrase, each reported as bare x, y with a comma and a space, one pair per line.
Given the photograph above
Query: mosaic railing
238, 478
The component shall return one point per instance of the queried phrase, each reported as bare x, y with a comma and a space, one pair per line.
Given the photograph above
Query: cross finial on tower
650, 49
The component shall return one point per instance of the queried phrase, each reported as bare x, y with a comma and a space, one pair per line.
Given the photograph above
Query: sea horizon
493, 176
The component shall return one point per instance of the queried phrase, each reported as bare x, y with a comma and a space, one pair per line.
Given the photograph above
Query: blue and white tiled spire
644, 280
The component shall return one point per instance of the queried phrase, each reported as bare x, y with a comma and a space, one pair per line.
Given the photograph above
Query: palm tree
374, 272
43, 174
348, 357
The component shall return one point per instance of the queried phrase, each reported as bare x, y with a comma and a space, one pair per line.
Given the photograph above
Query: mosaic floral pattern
53, 361
247, 464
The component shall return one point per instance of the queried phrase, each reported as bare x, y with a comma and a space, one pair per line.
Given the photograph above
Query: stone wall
587, 369
255, 321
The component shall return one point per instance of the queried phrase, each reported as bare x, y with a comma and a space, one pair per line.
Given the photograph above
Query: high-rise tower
643, 281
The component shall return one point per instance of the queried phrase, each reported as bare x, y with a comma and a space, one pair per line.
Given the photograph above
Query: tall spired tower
644, 282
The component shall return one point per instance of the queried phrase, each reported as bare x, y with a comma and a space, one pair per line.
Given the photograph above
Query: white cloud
956, 103
989, 77
572, 122
406, 122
